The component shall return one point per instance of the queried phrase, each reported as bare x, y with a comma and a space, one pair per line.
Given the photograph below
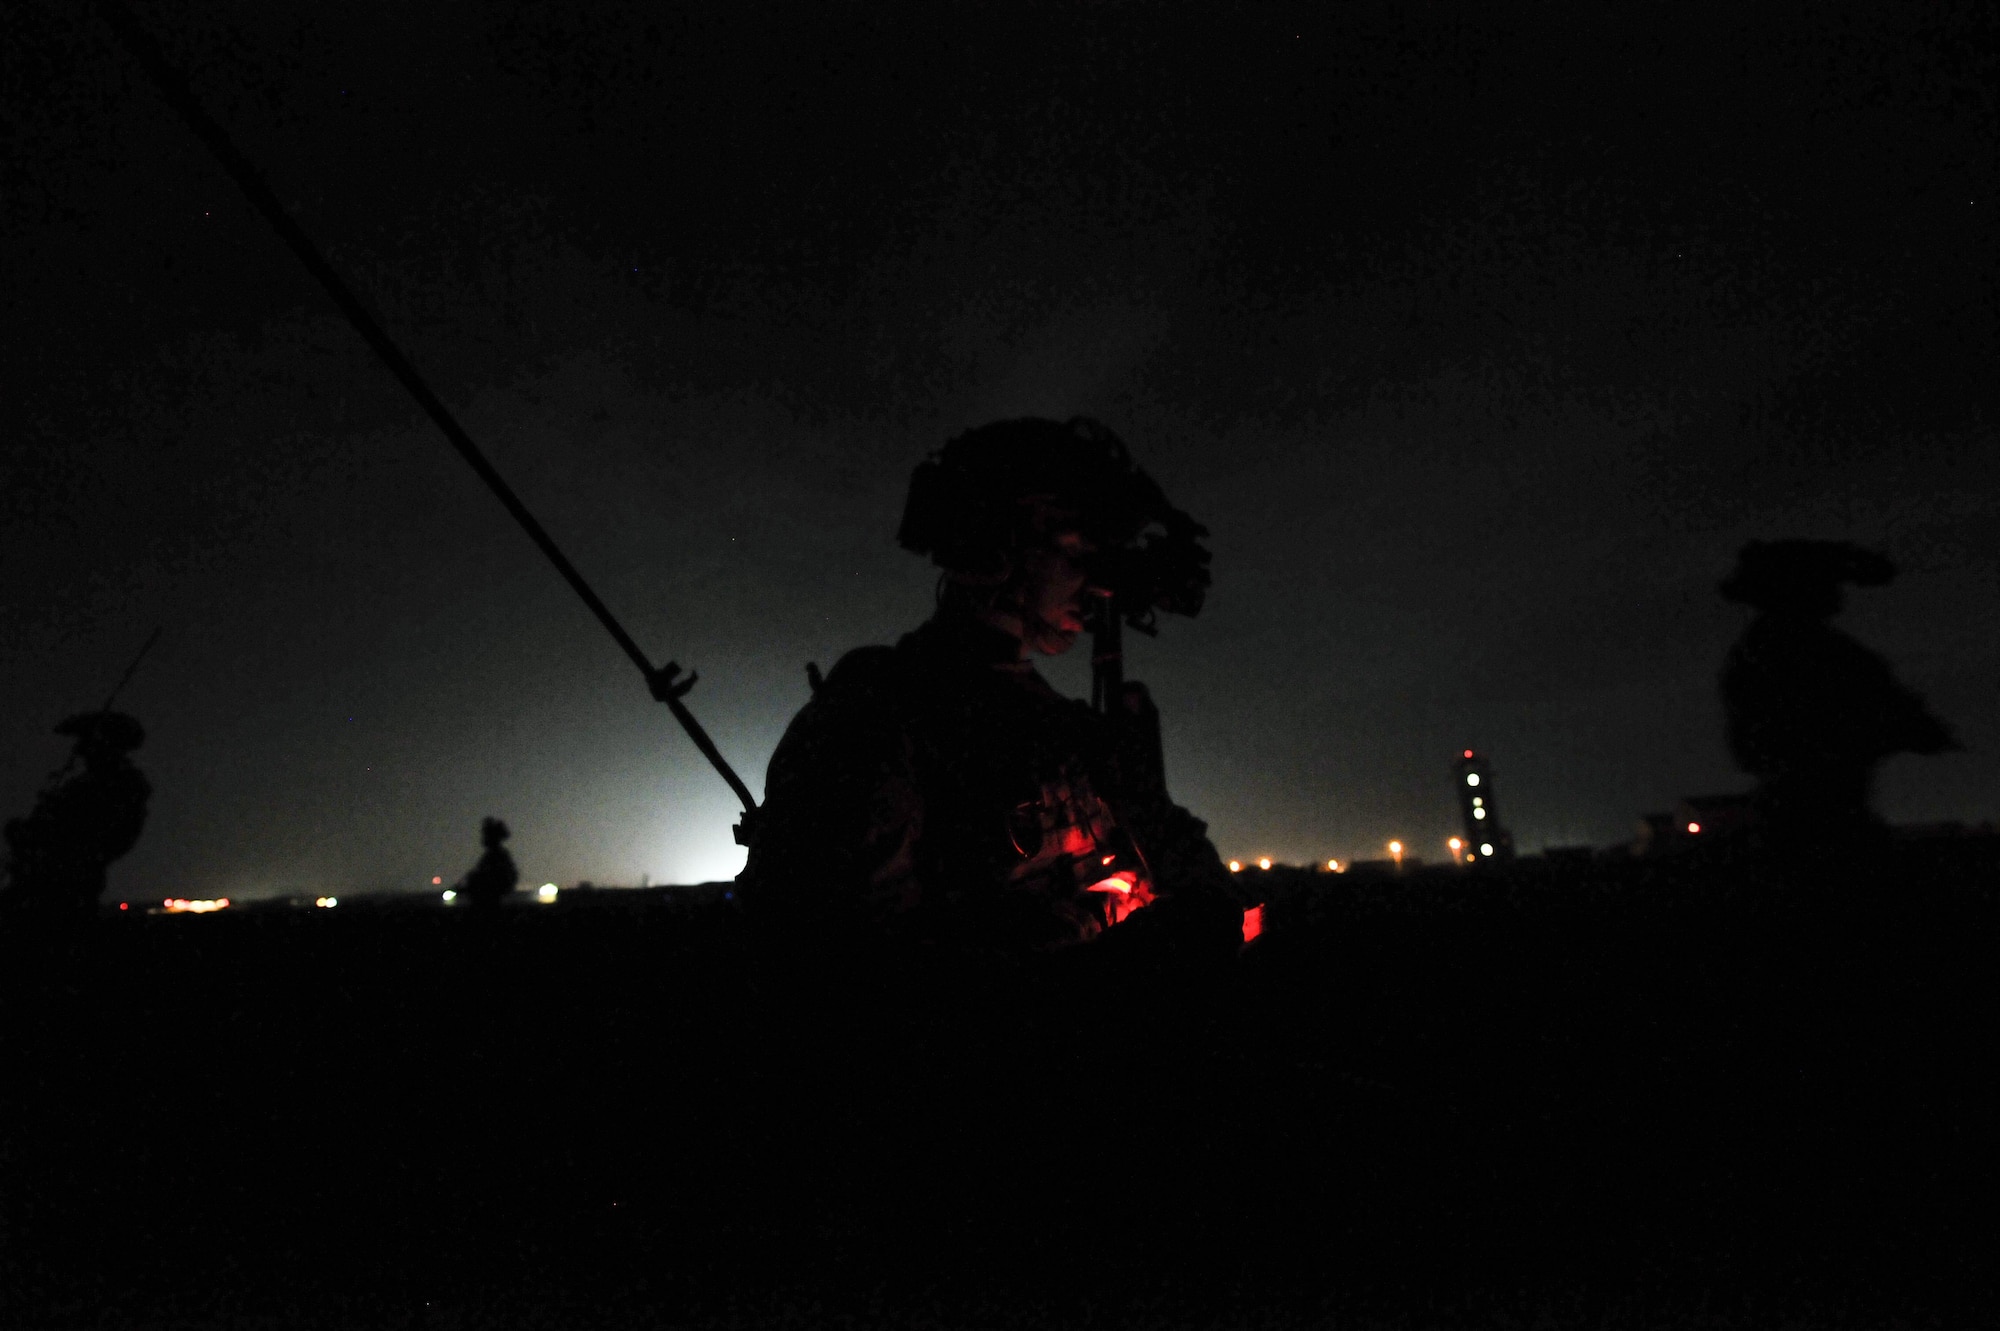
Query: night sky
1479, 343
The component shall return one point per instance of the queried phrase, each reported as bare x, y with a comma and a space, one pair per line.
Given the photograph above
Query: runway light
1693, 828
1472, 778
1486, 848
449, 896
183, 906
1236, 866
1264, 863
546, 892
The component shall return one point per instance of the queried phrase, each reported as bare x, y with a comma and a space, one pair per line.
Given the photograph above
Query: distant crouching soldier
495, 875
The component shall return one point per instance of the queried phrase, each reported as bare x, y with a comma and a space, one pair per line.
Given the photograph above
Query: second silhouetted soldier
58, 854
1811, 712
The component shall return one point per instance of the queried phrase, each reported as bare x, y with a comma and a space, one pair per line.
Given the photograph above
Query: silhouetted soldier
495, 875
57, 855
940, 790
1812, 712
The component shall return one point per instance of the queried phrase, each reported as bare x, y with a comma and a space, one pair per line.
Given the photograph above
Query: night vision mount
965, 505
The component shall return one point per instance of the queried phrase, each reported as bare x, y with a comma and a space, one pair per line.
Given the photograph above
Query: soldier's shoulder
863, 668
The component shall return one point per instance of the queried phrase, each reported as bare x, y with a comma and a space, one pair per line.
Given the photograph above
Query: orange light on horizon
1264, 862
1236, 866
183, 906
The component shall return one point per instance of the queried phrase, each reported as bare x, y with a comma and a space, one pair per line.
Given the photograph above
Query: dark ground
1623, 1095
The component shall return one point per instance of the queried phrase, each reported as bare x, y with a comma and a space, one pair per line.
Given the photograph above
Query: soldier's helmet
1782, 575
108, 732
970, 503
492, 832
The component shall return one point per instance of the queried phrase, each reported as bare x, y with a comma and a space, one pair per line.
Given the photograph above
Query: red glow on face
1107, 859
1253, 922
1121, 885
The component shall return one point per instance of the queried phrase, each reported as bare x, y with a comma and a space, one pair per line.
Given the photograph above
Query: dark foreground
1698, 1095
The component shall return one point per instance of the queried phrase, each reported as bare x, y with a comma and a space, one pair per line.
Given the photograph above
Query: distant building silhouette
58, 854
1811, 712
1697, 820
495, 875
1485, 839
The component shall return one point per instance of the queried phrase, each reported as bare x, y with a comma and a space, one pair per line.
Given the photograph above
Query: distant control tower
1485, 838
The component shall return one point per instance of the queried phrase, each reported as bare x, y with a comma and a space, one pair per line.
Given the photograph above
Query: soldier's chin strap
663, 682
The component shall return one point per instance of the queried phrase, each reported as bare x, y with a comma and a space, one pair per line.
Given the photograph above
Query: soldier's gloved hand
665, 683
1188, 928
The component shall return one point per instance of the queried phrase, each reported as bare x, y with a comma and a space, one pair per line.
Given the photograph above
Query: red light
435, 880
1253, 922
124, 905
1693, 828
1107, 859
1468, 753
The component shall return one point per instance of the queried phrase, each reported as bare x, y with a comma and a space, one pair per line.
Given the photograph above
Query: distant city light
1478, 812
1264, 862
1693, 828
327, 903
1477, 802
1455, 843
1472, 778
1236, 866
449, 896
546, 892
1486, 848
1333, 866
181, 905
1395, 848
